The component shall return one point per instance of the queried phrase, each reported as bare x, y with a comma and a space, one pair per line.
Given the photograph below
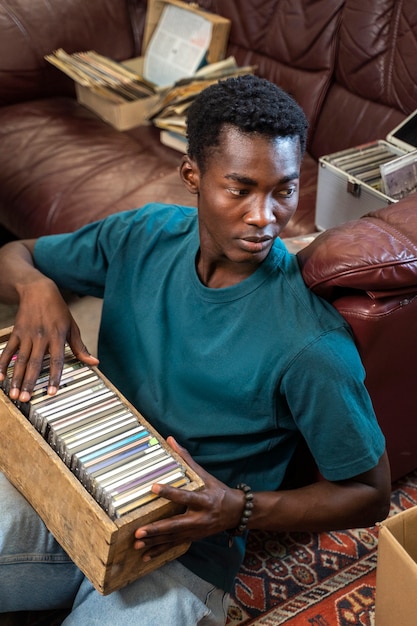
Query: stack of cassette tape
364, 163
352, 182
99, 437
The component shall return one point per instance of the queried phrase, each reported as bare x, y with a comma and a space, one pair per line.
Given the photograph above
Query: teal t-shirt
234, 374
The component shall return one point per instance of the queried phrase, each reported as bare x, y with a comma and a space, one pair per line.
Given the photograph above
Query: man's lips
256, 244
257, 239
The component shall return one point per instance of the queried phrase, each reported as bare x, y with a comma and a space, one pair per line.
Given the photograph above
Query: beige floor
86, 312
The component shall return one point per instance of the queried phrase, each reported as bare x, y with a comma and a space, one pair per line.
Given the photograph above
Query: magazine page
177, 47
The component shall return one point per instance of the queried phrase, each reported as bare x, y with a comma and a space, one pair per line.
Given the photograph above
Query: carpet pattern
325, 579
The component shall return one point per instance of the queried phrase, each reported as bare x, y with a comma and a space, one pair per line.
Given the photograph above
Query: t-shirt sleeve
330, 404
79, 261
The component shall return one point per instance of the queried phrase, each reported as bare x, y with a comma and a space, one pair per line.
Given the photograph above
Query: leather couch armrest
376, 254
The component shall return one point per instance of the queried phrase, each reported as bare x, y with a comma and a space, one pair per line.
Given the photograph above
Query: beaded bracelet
247, 512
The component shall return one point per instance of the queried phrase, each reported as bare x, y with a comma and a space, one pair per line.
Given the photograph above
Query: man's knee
20, 525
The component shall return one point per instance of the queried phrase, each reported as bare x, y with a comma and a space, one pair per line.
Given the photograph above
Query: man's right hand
43, 325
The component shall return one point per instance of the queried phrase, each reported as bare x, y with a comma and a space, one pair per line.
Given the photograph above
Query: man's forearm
324, 505
16, 270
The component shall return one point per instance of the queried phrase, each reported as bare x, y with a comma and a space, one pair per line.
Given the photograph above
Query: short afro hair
247, 102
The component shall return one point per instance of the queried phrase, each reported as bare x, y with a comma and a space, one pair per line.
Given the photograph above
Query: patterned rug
325, 579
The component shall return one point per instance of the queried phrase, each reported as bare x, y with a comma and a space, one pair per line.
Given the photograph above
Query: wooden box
101, 547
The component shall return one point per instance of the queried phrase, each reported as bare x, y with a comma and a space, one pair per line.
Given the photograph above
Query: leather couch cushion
292, 42
376, 40
376, 254
63, 167
375, 78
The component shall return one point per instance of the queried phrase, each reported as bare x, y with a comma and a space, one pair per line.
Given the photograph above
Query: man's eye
237, 192
287, 193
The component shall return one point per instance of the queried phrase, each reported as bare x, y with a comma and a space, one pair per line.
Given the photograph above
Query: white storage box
349, 182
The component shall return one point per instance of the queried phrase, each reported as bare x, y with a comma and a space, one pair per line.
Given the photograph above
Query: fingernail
139, 533
14, 393
24, 396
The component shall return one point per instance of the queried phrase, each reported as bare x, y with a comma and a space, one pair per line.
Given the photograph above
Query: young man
210, 331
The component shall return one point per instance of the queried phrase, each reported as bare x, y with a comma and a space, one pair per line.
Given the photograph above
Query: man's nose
261, 212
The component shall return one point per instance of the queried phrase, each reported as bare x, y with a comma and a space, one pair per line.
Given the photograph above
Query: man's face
247, 195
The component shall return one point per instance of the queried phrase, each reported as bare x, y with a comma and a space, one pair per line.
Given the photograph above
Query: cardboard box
396, 575
120, 116
344, 192
130, 114
220, 26
99, 546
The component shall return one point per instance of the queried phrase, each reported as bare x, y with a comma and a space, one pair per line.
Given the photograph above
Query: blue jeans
36, 574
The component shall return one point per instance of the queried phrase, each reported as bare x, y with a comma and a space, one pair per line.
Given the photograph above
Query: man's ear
190, 174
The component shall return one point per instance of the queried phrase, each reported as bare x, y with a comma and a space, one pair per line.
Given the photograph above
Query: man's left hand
214, 509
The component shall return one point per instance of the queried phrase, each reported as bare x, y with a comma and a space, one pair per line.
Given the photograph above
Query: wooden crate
101, 547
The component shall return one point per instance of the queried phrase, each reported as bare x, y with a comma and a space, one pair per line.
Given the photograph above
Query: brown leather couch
350, 64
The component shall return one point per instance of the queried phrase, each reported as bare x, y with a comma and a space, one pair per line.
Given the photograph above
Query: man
209, 330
